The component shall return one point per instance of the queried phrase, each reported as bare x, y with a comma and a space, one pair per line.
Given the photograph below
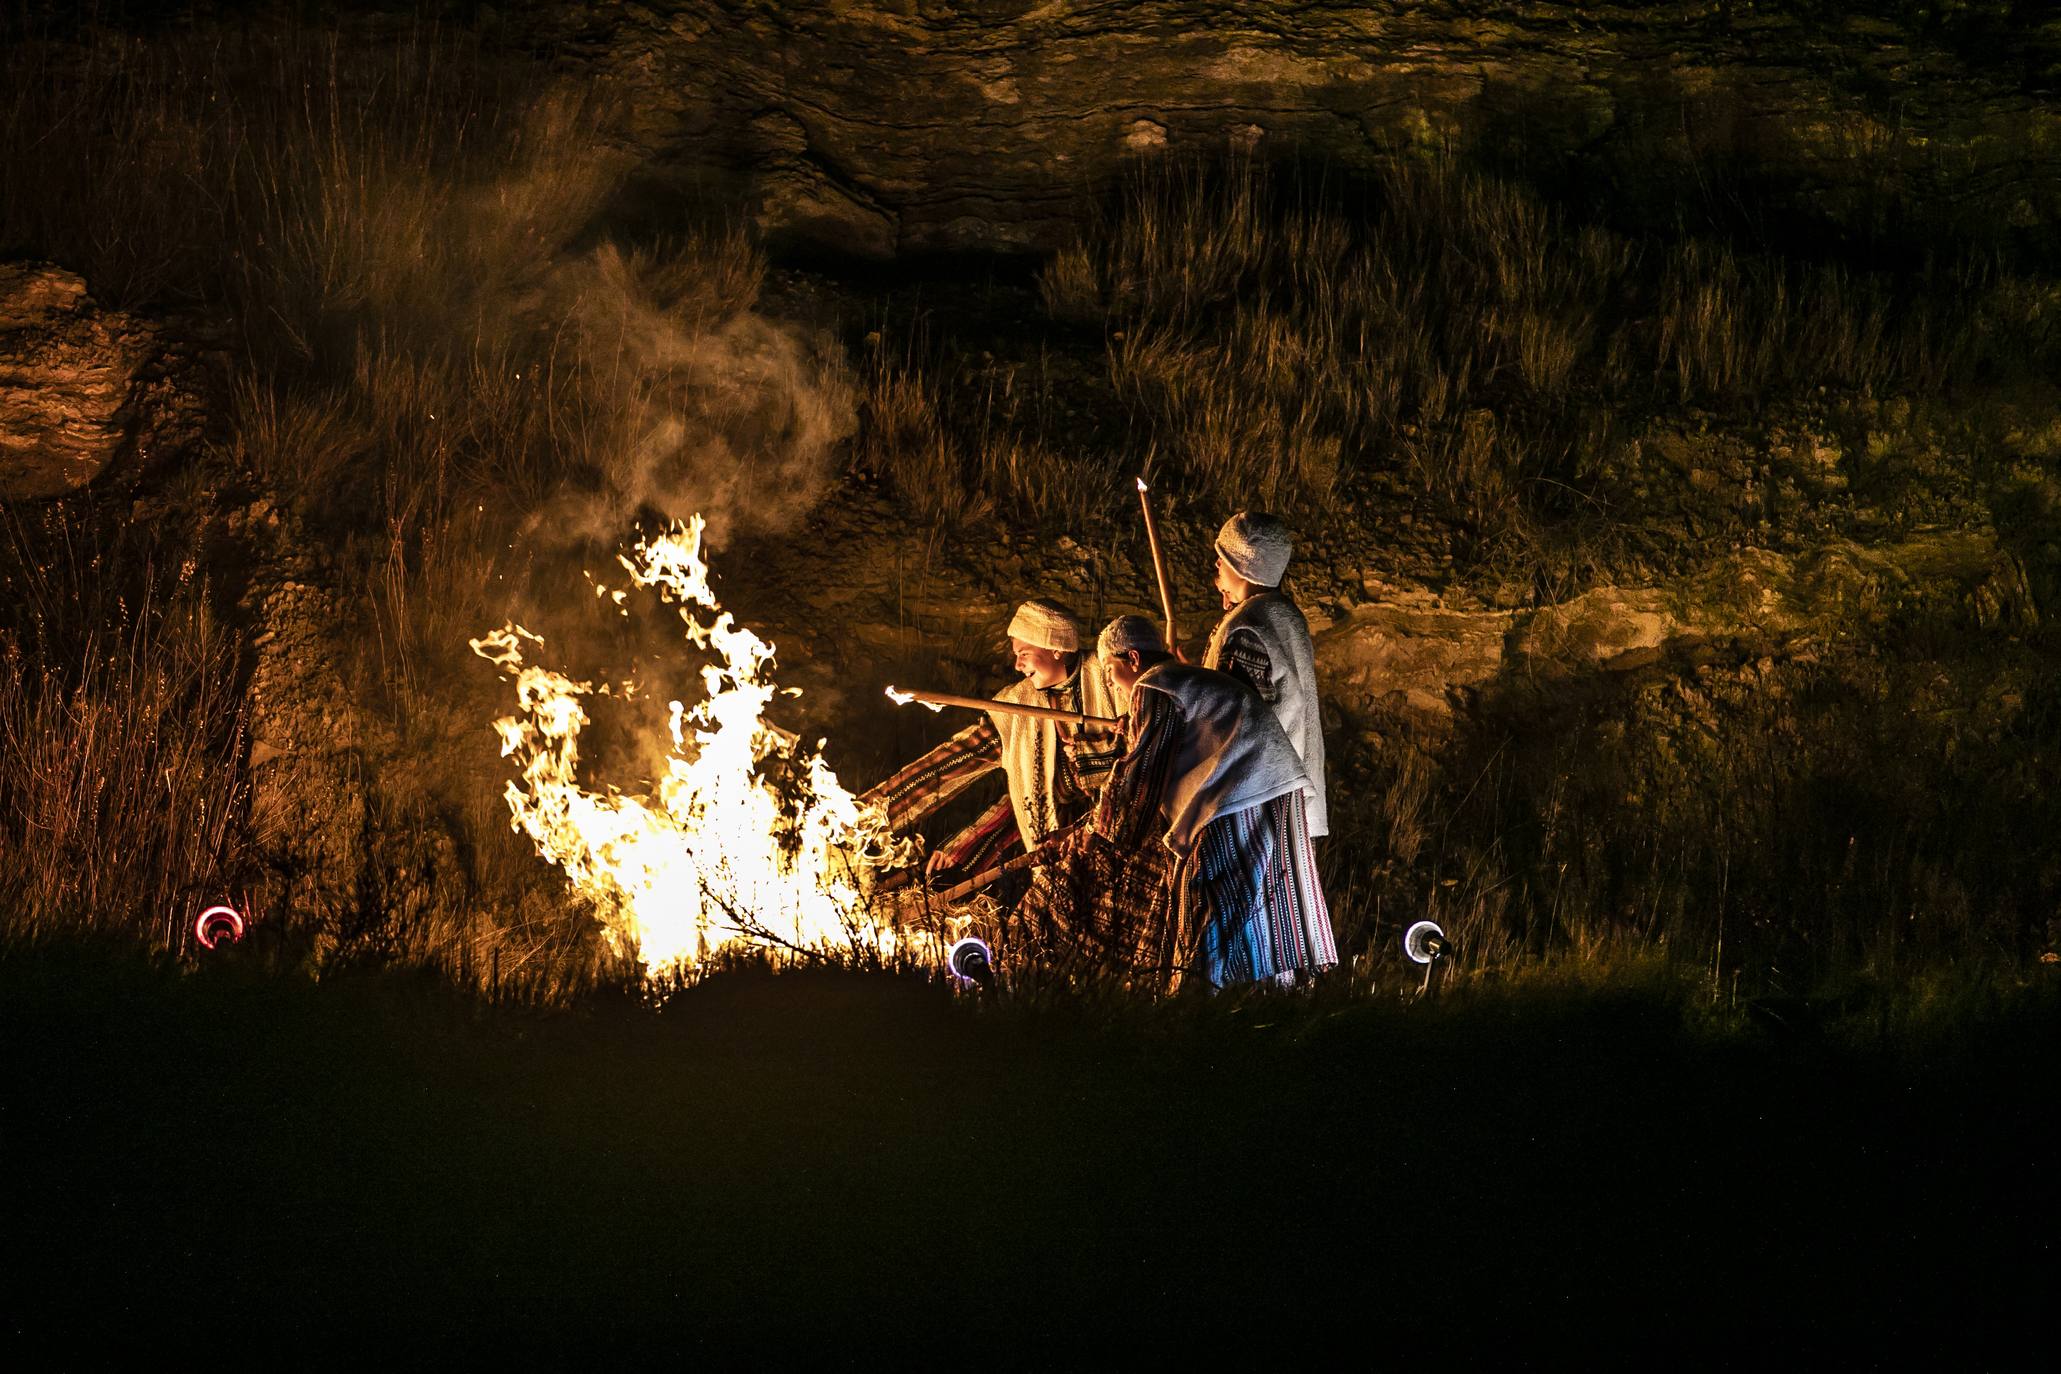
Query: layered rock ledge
81, 388
882, 127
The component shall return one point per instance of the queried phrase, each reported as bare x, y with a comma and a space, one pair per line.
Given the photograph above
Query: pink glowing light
217, 921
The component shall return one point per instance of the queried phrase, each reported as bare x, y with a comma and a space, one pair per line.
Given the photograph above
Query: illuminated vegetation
123, 781
375, 240
1452, 330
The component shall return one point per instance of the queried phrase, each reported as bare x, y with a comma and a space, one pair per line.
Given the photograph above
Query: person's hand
935, 864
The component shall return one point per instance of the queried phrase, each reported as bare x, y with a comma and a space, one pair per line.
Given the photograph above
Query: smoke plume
707, 408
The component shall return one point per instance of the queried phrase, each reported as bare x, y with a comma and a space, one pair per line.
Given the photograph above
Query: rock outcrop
894, 126
855, 603
81, 389
1411, 657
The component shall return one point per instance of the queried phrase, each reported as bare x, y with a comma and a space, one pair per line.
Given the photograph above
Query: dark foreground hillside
844, 1169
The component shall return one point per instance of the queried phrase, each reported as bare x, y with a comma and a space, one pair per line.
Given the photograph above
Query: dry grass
1048, 487
432, 349
1799, 831
958, 450
1281, 340
122, 735
430, 346
904, 440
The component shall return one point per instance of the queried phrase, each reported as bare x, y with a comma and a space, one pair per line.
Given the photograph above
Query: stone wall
883, 127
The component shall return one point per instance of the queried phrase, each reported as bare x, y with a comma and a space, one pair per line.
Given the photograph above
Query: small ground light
971, 961
218, 923
1425, 943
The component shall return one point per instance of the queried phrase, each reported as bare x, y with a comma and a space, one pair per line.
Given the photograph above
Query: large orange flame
716, 853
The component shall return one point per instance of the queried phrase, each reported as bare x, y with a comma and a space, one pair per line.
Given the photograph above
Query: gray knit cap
1257, 546
1128, 632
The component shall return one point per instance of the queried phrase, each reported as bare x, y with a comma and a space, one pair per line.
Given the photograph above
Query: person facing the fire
1264, 641
1052, 767
1197, 857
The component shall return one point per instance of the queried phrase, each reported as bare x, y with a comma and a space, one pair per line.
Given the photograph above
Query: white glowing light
1424, 942
971, 961
904, 698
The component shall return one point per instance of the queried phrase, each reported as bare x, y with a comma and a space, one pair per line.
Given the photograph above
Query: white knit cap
1048, 625
1128, 632
1257, 546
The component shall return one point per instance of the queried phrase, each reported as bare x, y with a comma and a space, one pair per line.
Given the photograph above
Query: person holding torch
1197, 857
1053, 766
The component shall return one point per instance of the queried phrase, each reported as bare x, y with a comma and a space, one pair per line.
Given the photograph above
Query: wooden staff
1166, 595
1003, 870
1007, 708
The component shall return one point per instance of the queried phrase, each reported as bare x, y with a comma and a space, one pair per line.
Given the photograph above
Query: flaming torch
1166, 594
937, 701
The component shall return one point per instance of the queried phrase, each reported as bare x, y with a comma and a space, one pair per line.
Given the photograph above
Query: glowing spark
1142, 486
746, 836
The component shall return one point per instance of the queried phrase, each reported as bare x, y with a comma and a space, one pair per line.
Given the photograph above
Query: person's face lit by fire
1231, 588
1124, 670
1044, 667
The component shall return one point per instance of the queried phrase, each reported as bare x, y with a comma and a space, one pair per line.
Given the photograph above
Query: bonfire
747, 837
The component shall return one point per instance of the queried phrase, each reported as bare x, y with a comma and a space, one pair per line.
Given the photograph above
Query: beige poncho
1031, 747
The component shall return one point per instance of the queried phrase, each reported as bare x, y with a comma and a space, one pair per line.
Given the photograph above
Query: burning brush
746, 836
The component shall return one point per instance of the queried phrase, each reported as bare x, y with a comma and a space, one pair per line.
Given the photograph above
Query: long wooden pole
1166, 594
1002, 870
1007, 708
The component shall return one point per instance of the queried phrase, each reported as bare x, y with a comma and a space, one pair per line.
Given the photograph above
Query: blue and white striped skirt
1250, 899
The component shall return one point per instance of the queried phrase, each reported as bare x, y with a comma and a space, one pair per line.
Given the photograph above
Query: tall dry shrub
123, 780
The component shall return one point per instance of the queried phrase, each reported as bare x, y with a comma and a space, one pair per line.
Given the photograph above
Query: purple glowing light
215, 923
970, 961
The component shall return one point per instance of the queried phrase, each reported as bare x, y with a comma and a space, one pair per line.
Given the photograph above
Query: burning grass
747, 837
449, 376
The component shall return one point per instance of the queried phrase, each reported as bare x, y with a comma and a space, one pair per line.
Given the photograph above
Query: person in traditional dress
1053, 768
1197, 858
1264, 641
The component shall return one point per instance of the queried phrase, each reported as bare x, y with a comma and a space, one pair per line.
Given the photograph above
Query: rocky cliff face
1410, 656
81, 388
882, 127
